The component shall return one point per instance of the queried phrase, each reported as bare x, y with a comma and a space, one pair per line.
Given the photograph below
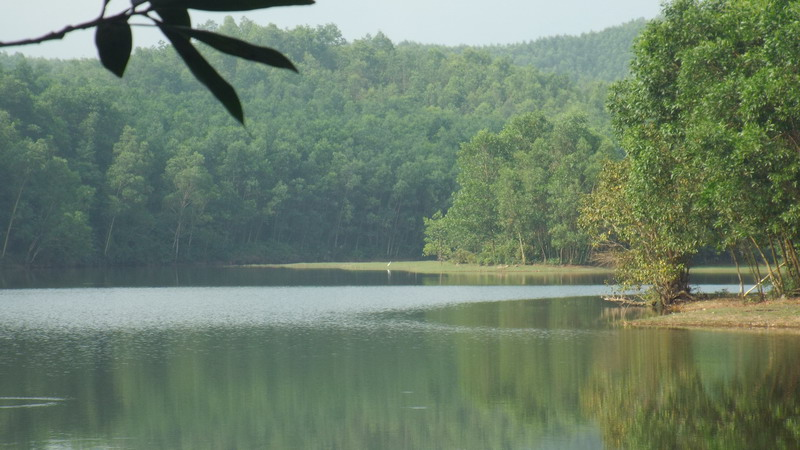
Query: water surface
333, 364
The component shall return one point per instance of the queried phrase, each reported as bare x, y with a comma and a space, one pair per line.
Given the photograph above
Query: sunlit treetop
114, 39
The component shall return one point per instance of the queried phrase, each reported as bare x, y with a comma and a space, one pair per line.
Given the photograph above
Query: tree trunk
738, 272
108, 236
777, 264
11, 219
177, 238
753, 263
771, 273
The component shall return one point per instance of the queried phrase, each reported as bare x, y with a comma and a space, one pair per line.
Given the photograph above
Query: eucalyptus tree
126, 178
519, 193
192, 188
23, 160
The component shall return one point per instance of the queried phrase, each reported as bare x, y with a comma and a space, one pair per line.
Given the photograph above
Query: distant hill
340, 162
597, 56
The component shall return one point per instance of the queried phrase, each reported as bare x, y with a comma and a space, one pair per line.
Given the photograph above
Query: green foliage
519, 192
599, 55
340, 163
706, 118
114, 40
631, 229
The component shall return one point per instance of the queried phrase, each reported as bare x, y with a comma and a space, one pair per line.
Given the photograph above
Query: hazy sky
449, 22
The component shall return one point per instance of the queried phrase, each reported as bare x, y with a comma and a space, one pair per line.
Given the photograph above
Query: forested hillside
601, 55
342, 161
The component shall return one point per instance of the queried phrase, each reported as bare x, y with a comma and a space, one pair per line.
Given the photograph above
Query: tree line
711, 164
520, 193
340, 162
598, 55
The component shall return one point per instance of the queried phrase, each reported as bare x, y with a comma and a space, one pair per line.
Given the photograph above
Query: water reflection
379, 367
696, 390
244, 276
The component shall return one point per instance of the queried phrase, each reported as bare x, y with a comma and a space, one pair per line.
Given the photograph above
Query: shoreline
436, 267
715, 313
729, 313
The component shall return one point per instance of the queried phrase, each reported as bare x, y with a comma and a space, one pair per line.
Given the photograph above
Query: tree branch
57, 35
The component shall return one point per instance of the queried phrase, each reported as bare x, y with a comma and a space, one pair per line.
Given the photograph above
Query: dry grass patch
730, 313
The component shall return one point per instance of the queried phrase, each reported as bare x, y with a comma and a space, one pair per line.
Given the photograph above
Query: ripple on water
29, 402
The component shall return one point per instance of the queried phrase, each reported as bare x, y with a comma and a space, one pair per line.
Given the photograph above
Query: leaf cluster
114, 41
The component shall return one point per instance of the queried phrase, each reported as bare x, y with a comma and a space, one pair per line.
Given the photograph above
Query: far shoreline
717, 313
437, 267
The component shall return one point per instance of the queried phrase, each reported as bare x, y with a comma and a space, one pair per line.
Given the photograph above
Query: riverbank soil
778, 314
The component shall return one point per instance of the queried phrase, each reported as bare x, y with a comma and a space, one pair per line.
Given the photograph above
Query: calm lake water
251, 359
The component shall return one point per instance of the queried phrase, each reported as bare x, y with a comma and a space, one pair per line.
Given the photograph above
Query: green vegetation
711, 164
339, 163
380, 151
114, 40
707, 119
519, 195
593, 56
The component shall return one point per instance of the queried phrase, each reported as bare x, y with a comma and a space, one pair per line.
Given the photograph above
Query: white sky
449, 22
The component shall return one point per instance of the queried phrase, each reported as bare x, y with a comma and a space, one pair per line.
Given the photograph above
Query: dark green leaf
239, 48
114, 42
206, 74
227, 5
175, 16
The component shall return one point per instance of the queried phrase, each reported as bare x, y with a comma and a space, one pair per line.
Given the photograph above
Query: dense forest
598, 55
710, 162
342, 161
520, 192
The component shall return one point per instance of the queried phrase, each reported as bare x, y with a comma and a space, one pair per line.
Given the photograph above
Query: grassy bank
436, 267
780, 314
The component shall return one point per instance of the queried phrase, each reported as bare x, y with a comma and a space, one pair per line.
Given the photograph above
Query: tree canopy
339, 163
707, 118
114, 39
519, 193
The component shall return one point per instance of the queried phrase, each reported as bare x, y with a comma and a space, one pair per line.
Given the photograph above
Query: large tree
708, 120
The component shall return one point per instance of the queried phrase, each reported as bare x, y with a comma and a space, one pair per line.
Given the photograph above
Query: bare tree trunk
738, 272
772, 275
790, 256
787, 258
777, 264
11, 219
756, 271
176, 241
108, 236
793, 252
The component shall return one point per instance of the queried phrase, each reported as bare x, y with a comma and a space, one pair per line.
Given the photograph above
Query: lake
271, 358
